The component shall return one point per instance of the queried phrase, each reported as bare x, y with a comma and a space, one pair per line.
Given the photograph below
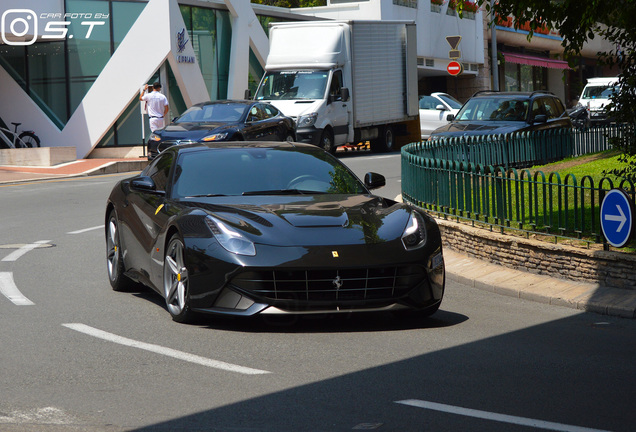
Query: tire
114, 261
326, 141
30, 139
385, 142
290, 138
176, 282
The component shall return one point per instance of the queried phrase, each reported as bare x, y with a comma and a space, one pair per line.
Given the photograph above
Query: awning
535, 61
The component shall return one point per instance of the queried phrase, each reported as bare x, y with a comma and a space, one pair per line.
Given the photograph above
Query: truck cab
316, 99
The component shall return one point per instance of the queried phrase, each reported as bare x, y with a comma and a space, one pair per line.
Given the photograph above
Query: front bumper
293, 285
309, 135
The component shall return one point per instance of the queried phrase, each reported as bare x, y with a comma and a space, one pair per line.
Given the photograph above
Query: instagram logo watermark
18, 23
20, 26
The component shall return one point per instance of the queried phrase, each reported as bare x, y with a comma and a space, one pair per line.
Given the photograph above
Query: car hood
461, 128
297, 107
193, 131
312, 220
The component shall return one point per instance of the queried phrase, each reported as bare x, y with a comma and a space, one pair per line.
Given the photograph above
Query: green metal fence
481, 179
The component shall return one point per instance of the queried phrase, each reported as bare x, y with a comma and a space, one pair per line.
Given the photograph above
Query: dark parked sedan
269, 228
226, 120
490, 113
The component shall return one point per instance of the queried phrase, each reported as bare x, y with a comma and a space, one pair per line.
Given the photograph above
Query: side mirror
374, 180
144, 184
248, 94
541, 118
344, 94
440, 107
450, 117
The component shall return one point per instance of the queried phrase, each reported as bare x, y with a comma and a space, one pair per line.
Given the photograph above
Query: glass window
336, 86
47, 77
269, 111
87, 54
124, 16
236, 171
160, 170
451, 101
537, 108
13, 59
428, 102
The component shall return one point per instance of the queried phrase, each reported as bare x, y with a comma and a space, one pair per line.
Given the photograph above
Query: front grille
331, 285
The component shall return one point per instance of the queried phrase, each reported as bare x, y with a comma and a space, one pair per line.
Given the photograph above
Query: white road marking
11, 291
41, 416
523, 421
157, 349
13, 256
86, 230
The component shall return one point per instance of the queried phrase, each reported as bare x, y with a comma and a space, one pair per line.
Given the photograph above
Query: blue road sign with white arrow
617, 217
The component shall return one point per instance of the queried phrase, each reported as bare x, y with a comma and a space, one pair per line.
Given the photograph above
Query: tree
579, 21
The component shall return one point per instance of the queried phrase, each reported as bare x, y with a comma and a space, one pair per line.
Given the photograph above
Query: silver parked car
434, 111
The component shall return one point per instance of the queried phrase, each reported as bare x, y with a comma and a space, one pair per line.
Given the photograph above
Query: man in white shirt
156, 106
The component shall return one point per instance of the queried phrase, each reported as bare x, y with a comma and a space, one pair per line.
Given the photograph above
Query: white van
596, 96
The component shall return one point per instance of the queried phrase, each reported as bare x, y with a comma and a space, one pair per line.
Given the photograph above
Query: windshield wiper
205, 196
283, 192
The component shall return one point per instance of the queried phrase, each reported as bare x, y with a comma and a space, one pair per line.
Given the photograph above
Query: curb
585, 296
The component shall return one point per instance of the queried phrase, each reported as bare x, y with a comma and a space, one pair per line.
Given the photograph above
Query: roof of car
489, 93
227, 101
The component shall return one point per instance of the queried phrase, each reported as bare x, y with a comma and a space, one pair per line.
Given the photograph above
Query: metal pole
493, 49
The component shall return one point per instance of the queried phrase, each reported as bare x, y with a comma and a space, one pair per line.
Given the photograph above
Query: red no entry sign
454, 68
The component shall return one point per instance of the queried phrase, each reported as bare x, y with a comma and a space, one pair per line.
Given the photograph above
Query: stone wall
607, 268
38, 156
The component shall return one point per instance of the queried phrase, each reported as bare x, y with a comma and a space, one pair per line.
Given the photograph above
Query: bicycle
26, 139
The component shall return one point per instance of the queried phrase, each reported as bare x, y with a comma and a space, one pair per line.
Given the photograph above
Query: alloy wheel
175, 278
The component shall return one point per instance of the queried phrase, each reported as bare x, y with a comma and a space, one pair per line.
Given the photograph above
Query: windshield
600, 92
293, 85
226, 112
262, 171
451, 101
493, 109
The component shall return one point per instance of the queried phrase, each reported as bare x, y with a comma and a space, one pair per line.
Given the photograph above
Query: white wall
432, 28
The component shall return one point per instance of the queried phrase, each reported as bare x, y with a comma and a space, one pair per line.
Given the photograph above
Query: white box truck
345, 82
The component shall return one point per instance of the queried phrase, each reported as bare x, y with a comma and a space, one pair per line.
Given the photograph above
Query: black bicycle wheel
30, 139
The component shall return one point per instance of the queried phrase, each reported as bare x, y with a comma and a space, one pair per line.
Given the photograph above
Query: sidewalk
78, 168
460, 268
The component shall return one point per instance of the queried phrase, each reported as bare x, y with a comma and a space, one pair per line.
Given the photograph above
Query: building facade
72, 69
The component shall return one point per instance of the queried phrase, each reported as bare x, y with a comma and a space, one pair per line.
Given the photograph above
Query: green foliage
579, 21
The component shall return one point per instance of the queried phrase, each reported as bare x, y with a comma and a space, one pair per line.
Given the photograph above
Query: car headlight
154, 137
215, 137
307, 120
414, 235
231, 240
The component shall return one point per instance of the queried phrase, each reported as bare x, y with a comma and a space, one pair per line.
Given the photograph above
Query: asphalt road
77, 356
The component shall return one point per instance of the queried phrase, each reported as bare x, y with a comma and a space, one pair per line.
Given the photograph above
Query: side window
428, 103
256, 114
549, 107
336, 86
560, 109
269, 111
537, 108
160, 170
